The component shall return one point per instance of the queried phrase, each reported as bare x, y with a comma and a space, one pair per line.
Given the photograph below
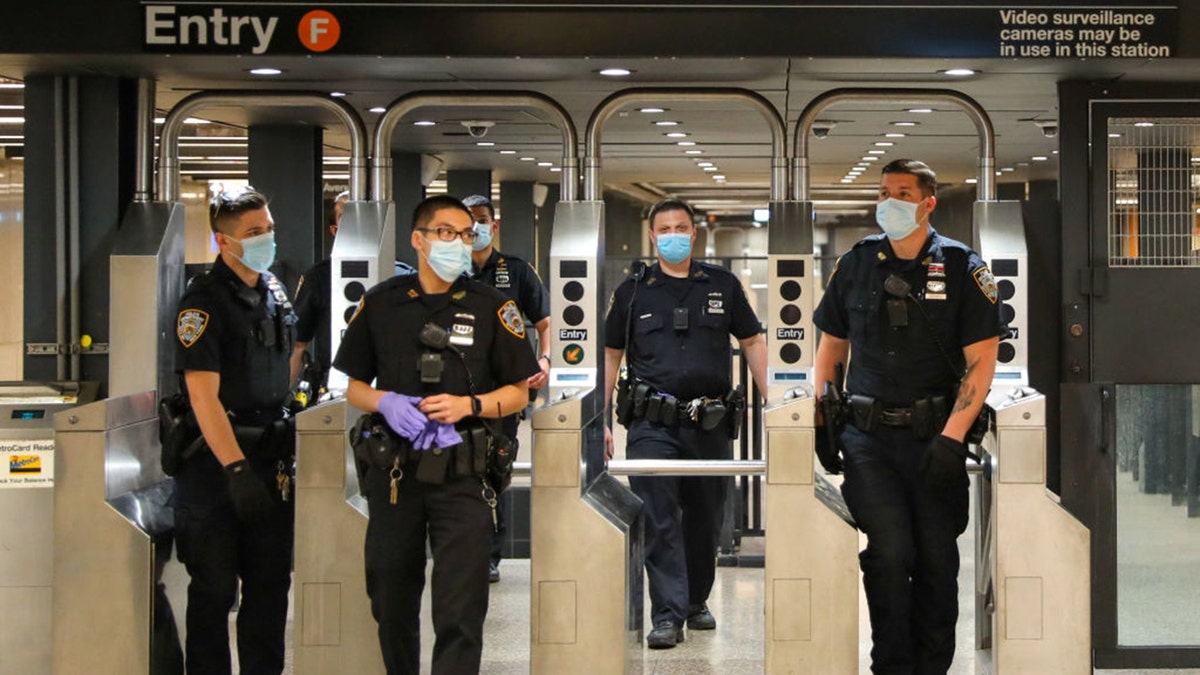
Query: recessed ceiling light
1114, 135
864, 165
894, 134
337, 94
959, 72
704, 163
905, 123
652, 110
159, 120
377, 109
484, 144
508, 152
265, 71
919, 111
877, 152
1054, 152
667, 123
686, 143
870, 159
693, 152
710, 168
847, 180
1038, 158
424, 123
971, 181
195, 120
527, 159
615, 72
1022, 163
884, 144
555, 169
12, 120
718, 176
12, 85
545, 163
677, 134
1006, 169
1143, 124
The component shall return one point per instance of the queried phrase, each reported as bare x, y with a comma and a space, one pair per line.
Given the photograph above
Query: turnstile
333, 630
28, 451
110, 506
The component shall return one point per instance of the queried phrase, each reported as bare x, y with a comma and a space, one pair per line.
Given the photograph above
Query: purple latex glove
402, 415
424, 440
446, 435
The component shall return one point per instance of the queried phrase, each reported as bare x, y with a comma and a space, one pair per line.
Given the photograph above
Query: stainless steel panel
1000, 235
363, 255
791, 347
577, 258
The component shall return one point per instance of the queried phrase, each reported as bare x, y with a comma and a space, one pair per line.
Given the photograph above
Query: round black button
573, 291
1007, 313
354, 291
790, 314
349, 313
790, 353
1007, 289
573, 315
790, 290
1007, 352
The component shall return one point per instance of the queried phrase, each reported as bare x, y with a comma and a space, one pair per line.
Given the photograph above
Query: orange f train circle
319, 31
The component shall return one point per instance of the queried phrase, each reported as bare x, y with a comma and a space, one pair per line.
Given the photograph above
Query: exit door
1145, 352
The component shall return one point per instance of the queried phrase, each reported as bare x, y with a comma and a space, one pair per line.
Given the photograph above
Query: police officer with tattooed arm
448, 358
916, 317
672, 323
233, 508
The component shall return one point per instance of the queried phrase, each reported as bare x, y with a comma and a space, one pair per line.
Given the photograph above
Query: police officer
519, 282
312, 310
434, 492
672, 324
233, 513
918, 314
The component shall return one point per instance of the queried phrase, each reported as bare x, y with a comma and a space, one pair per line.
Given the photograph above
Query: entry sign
27, 464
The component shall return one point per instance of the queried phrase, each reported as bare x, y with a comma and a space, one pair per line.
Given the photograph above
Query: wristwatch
547, 357
476, 406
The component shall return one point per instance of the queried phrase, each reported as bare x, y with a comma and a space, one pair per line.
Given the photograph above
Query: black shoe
665, 635
493, 572
699, 618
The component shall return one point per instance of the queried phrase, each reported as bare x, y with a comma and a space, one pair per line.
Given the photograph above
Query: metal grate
1153, 192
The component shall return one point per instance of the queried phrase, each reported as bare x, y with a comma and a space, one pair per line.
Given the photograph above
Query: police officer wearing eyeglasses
916, 317
438, 395
519, 282
233, 514
672, 324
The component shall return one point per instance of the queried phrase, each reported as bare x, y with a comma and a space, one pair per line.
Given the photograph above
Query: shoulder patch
510, 316
191, 325
987, 284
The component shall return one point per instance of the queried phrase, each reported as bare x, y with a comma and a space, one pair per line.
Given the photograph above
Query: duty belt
896, 417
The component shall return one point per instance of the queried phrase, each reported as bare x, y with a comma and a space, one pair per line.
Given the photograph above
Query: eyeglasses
225, 199
450, 234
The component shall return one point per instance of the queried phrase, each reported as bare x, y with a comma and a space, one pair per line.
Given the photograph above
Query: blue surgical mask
896, 217
483, 236
674, 247
449, 259
258, 252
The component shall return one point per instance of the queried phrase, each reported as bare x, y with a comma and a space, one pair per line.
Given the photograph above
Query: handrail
168, 146
687, 467
609, 106
983, 124
397, 109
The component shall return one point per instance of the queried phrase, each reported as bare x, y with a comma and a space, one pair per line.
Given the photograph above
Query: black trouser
504, 501
218, 549
910, 565
683, 515
458, 524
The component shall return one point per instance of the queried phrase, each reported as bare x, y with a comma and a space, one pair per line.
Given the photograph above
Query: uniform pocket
861, 307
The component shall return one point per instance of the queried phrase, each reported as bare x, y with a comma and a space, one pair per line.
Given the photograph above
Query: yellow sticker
191, 325
510, 316
987, 284
299, 285
358, 310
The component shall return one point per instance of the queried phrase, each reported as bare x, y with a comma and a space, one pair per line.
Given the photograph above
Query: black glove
828, 451
250, 497
945, 463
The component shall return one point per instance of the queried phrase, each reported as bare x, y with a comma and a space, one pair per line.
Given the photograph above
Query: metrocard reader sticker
27, 464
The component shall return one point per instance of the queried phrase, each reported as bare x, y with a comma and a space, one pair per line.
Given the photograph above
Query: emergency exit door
1142, 475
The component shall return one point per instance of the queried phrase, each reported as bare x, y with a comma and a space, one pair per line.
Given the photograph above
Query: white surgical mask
897, 218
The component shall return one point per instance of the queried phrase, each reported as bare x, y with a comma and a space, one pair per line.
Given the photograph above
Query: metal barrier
110, 503
333, 630
585, 552
1033, 580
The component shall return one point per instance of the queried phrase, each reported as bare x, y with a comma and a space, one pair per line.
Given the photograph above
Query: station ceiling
1019, 95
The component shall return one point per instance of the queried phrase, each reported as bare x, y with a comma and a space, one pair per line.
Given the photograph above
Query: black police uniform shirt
902, 364
518, 281
229, 328
382, 341
312, 307
312, 311
686, 361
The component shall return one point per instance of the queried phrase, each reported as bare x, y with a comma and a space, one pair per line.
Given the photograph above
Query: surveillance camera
478, 128
821, 128
1049, 127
